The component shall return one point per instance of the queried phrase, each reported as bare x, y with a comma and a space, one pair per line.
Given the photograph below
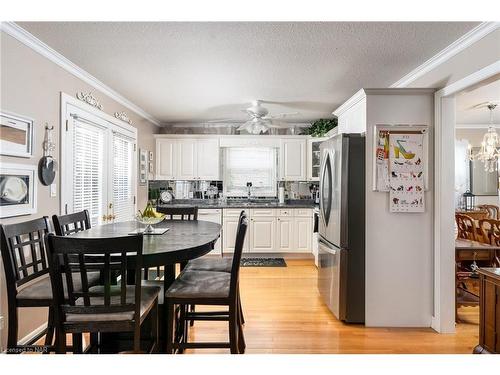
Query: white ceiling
194, 72
466, 100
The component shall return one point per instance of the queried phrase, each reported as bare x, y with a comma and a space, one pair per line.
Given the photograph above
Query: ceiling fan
260, 119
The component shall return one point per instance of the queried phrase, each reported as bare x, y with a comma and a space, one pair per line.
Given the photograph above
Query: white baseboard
26, 339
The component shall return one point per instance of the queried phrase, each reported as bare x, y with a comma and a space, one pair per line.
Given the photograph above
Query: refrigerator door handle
327, 248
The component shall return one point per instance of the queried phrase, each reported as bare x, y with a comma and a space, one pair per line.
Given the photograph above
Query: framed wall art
16, 135
143, 167
17, 189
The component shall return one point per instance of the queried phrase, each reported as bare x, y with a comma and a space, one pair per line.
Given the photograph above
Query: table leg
168, 279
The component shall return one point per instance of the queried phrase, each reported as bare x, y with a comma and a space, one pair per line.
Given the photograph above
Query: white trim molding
17, 32
443, 320
453, 49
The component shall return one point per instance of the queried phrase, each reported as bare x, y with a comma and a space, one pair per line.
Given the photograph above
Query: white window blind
247, 164
88, 169
122, 185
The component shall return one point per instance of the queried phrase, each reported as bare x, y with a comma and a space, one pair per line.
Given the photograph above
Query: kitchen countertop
216, 204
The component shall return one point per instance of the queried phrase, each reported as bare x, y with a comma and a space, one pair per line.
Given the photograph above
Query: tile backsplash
214, 189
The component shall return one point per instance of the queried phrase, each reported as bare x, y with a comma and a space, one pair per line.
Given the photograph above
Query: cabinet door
165, 159
293, 159
229, 230
208, 159
285, 234
303, 234
262, 234
185, 152
313, 158
214, 216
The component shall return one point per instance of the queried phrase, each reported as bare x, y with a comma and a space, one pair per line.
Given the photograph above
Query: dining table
184, 240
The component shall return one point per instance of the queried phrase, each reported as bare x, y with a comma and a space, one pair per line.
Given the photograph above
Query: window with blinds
248, 164
88, 169
99, 166
122, 185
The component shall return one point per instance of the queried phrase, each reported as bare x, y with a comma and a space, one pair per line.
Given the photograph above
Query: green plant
322, 126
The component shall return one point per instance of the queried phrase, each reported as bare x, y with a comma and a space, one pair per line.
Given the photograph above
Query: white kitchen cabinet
303, 234
165, 160
229, 229
292, 164
185, 155
285, 227
262, 234
214, 216
208, 163
313, 158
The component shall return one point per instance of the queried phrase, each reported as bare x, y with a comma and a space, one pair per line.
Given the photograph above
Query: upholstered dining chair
209, 288
28, 284
104, 307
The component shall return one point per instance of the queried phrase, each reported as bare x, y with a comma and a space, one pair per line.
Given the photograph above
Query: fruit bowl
149, 221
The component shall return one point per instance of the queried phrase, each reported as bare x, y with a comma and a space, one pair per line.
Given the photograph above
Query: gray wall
31, 86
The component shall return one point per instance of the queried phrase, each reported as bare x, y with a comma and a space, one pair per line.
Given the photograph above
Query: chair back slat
23, 251
68, 254
72, 223
238, 251
182, 213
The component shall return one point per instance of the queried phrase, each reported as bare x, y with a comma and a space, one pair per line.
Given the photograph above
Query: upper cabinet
313, 158
292, 165
165, 160
208, 159
187, 159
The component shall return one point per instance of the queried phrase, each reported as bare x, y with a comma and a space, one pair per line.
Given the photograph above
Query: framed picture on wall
17, 189
16, 135
143, 167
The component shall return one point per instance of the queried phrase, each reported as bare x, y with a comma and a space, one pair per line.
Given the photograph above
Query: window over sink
257, 165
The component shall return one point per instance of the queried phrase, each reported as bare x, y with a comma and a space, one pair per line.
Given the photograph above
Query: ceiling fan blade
282, 115
224, 120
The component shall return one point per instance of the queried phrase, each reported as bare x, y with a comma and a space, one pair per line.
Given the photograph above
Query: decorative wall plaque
89, 98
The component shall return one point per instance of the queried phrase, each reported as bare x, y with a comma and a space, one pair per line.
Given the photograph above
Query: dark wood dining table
184, 240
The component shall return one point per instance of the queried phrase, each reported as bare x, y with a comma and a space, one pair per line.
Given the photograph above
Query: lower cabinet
214, 216
303, 234
262, 234
270, 230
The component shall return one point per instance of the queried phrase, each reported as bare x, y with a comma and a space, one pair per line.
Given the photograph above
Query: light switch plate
53, 190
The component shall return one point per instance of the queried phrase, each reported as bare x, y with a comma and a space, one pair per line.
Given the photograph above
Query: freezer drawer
329, 274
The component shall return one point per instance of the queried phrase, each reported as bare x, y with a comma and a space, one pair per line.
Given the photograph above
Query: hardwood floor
285, 314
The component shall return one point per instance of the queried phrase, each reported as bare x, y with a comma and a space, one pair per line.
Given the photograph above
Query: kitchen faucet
249, 190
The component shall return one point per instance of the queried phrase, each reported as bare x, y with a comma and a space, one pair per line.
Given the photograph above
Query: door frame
443, 320
67, 100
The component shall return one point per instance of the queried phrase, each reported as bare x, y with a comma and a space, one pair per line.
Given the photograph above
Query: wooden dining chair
466, 227
491, 232
28, 284
209, 288
104, 307
72, 223
492, 210
179, 213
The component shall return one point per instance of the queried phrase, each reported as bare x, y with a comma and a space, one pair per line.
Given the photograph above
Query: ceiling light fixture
488, 153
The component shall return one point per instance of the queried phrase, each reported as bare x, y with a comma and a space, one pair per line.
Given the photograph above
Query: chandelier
488, 153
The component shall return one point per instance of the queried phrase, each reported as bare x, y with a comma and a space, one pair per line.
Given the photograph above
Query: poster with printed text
406, 172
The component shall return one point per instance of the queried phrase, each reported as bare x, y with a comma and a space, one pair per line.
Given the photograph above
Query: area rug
263, 262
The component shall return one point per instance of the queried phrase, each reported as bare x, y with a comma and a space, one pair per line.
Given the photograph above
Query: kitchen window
250, 164
98, 166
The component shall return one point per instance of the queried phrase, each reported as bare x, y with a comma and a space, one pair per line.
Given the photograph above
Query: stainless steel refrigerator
341, 254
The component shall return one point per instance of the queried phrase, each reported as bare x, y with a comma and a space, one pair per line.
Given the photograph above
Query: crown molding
453, 49
17, 32
349, 103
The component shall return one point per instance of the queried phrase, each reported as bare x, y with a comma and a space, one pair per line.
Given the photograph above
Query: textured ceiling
194, 72
486, 92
